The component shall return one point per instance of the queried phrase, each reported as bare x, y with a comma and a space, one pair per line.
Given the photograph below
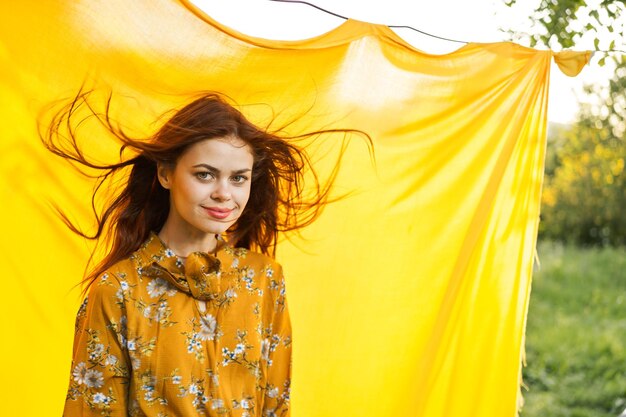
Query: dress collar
199, 276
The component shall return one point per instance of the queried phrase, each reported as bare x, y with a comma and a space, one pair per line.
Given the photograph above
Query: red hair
276, 204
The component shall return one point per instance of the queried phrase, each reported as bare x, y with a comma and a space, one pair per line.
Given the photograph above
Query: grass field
576, 333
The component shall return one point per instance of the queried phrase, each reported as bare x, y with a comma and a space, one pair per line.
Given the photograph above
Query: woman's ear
164, 173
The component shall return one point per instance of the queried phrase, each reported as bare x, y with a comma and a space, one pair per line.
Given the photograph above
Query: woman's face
209, 186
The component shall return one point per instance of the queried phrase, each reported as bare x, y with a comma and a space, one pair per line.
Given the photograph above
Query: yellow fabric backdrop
407, 298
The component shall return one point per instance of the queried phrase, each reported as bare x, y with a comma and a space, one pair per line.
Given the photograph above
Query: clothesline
610, 51
389, 26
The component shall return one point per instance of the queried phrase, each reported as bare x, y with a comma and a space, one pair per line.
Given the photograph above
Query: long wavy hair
278, 202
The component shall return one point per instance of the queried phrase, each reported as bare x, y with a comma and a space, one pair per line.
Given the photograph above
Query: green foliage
584, 197
584, 194
576, 349
562, 23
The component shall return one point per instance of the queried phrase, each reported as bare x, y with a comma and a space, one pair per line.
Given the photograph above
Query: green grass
576, 333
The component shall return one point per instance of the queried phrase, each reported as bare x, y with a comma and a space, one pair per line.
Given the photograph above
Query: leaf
602, 61
596, 43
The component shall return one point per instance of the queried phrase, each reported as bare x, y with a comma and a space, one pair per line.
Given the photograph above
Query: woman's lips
217, 212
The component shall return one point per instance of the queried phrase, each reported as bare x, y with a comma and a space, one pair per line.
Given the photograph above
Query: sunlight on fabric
410, 291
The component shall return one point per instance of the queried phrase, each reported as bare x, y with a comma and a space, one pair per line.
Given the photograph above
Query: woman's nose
221, 192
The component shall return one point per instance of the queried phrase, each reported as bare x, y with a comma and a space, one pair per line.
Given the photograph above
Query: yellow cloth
159, 338
408, 297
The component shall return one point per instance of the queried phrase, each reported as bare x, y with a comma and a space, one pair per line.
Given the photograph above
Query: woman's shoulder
251, 258
119, 276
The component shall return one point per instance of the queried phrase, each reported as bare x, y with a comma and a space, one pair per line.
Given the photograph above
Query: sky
471, 21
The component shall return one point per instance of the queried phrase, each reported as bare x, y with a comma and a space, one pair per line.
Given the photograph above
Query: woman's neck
184, 242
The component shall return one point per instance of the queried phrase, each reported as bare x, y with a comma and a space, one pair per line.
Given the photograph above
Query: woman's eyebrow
207, 166
213, 169
241, 171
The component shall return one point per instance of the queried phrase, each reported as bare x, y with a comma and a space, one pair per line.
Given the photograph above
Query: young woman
182, 318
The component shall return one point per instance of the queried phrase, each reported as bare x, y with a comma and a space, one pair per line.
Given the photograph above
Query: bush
584, 196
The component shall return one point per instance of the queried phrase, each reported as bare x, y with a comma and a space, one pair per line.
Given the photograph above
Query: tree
584, 198
585, 188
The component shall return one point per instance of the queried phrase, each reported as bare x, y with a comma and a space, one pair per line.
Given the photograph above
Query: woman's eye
204, 175
239, 179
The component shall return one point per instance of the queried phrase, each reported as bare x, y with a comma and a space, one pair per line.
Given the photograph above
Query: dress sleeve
276, 350
100, 372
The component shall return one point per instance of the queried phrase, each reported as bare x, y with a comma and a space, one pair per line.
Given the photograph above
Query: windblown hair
277, 202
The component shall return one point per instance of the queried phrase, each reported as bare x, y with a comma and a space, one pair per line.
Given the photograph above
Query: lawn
576, 333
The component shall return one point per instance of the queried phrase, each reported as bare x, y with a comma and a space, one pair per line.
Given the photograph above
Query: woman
182, 318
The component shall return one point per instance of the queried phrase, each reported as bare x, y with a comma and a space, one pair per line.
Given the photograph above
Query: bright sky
476, 20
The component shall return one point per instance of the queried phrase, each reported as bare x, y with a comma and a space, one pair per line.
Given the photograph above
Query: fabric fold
409, 291
571, 63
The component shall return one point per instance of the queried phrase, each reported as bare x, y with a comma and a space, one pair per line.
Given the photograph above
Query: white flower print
96, 351
131, 345
248, 276
194, 343
228, 356
121, 332
100, 398
161, 311
169, 253
135, 362
265, 349
145, 311
122, 291
93, 378
208, 327
157, 287
79, 373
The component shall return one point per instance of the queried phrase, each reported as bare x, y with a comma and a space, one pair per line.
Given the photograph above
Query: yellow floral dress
210, 337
